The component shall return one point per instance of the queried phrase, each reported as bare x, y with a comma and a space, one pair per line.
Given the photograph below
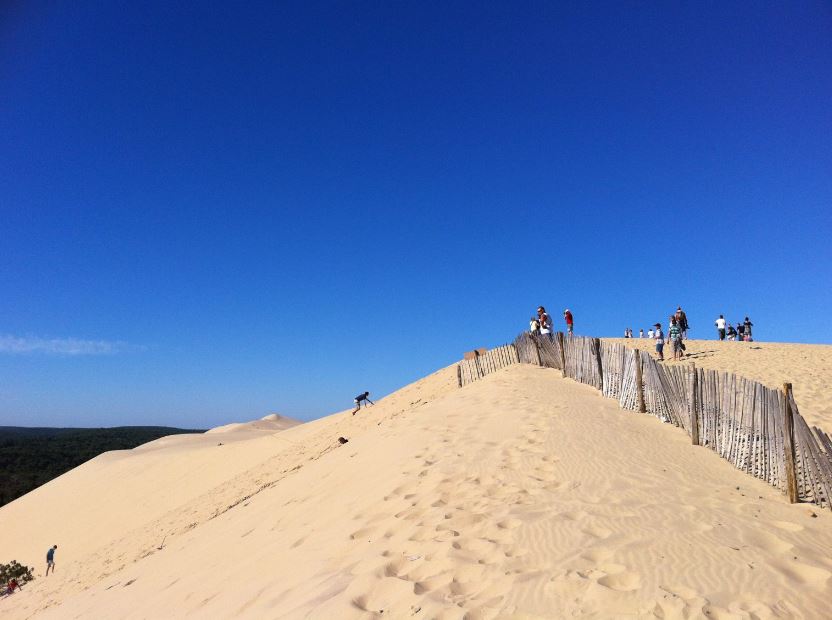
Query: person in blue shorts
659, 336
50, 559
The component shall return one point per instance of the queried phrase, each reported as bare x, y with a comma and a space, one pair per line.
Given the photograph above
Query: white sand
524, 495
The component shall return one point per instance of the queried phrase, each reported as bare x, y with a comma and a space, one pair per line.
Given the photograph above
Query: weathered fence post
600, 363
459, 374
642, 408
562, 355
537, 350
692, 404
788, 444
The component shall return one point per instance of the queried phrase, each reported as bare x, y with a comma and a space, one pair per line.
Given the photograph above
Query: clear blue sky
215, 212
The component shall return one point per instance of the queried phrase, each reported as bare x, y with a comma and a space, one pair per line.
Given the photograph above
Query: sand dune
523, 495
270, 424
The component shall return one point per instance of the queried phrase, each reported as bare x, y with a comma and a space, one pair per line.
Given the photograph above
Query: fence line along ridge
757, 429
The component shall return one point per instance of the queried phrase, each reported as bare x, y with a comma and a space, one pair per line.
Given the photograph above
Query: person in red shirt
570, 323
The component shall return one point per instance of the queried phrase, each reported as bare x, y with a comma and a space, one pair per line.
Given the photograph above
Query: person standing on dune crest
720, 327
50, 559
682, 323
545, 322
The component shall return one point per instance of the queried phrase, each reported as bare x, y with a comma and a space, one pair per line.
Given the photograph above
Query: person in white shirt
720, 327
641, 333
650, 334
545, 321
659, 337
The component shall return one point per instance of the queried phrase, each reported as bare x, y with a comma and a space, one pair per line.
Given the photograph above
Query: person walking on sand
545, 322
682, 322
720, 327
362, 398
50, 559
746, 332
659, 337
640, 332
675, 335
570, 322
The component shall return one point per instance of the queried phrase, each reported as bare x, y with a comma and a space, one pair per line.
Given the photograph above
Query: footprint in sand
597, 531
385, 593
509, 523
787, 526
617, 577
803, 573
683, 592
433, 582
598, 554
767, 542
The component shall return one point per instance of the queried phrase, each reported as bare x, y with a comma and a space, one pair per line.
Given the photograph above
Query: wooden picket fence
468, 371
757, 429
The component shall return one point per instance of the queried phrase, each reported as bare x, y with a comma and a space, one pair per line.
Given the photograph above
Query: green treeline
30, 457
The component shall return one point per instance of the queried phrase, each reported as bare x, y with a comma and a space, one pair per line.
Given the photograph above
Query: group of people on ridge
677, 332
542, 323
727, 331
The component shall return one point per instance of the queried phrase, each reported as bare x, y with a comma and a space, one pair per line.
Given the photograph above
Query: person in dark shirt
747, 329
740, 330
50, 559
362, 398
682, 322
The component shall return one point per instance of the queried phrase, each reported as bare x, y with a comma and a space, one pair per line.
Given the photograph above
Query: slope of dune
523, 495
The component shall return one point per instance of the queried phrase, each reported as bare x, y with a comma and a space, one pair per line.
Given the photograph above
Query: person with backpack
682, 322
740, 332
746, 334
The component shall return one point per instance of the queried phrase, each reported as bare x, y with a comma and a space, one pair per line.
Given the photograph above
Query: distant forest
30, 457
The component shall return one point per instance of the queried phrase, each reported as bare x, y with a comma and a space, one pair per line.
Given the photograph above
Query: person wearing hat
659, 336
570, 322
